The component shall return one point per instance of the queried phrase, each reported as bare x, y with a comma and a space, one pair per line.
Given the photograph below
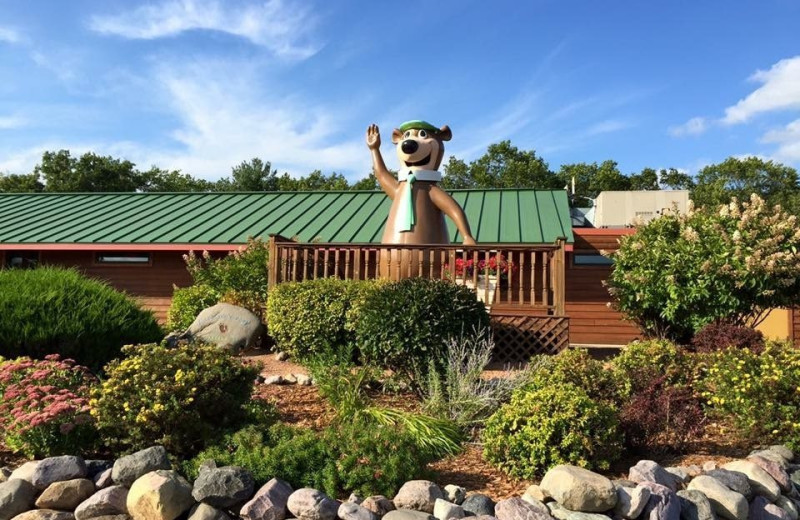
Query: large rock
695, 505
560, 512
159, 495
579, 489
407, 514
789, 506
106, 502
631, 501
734, 480
16, 496
224, 487
25, 471
379, 504
663, 503
518, 509
455, 494
775, 471
444, 510
104, 479
535, 492
650, 471
479, 504
45, 514
724, 501
418, 495
96, 466
207, 512
761, 482
269, 502
353, 511
65, 495
783, 451
130, 467
56, 469
312, 504
761, 509
226, 326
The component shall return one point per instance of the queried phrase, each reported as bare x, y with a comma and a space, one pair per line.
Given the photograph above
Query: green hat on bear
418, 124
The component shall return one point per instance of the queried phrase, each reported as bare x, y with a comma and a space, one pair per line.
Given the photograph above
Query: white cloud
9, 35
780, 90
788, 141
608, 126
282, 29
11, 122
694, 126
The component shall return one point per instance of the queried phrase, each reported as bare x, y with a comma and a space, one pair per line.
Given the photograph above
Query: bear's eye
422, 133
407, 134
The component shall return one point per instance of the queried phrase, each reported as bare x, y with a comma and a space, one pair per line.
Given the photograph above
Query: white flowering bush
680, 272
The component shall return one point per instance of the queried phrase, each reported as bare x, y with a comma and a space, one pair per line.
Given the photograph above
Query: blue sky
200, 85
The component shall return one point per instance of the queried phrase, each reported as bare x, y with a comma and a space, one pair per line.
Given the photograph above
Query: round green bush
187, 302
180, 398
641, 362
50, 310
404, 326
543, 427
316, 318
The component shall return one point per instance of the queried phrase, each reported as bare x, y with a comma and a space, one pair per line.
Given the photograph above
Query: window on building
114, 258
591, 259
21, 259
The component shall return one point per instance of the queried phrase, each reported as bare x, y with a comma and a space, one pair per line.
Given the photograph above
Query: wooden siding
796, 326
150, 284
591, 320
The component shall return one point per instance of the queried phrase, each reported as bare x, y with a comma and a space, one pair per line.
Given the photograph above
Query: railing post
272, 263
559, 278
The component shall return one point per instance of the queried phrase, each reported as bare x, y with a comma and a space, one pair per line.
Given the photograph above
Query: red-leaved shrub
44, 407
662, 417
721, 335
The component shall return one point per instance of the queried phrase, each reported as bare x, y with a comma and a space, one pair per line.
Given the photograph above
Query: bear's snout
409, 146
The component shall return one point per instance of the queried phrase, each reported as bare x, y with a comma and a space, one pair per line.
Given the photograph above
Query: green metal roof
495, 216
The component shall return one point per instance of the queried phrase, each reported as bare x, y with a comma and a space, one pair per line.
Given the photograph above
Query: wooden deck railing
529, 278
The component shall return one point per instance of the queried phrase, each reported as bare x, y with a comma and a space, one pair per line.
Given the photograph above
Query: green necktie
409, 222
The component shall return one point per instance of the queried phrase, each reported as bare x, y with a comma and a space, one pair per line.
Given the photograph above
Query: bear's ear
396, 136
445, 134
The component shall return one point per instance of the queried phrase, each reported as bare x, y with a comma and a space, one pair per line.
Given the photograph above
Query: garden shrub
754, 395
50, 310
187, 302
405, 325
44, 407
317, 318
180, 398
576, 367
721, 335
678, 273
542, 427
642, 362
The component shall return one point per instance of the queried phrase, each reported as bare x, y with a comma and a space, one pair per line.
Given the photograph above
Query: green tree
254, 175
733, 262
20, 183
591, 179
157, 180
674, 179
774, 182
502, 166
91, 172
366, 184
647, 179
315, 181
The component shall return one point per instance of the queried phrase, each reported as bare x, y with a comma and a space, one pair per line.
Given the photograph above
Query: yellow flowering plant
180, 398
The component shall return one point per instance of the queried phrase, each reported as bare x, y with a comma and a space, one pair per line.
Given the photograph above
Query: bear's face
419, 149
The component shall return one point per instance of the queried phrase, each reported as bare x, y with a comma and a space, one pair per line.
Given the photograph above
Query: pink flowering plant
44, 410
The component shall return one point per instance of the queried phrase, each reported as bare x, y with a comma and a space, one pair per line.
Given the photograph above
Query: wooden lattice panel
518, 338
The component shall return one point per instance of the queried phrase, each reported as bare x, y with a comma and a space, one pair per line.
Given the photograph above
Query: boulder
130, 467
65, 495
681, 474
378, 504
663, 503
269, 502
783, 451
650, 471
45, 514
762, 509
562, 513
408, 514
25, 471
56, 469
536, 493
94, 467
224, 487
518, 509
16, 496
303, 379
725, 502
775, 471
789, 506
106, 502
5, 473
104, 479
761, 482
733, 480
695, 505
454, 494
227, 326
312, 504
207, 512
631, 501
444, 510
479, 504
579, 489
159, 495
770, 455
353, 511
418, 495
355, 498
